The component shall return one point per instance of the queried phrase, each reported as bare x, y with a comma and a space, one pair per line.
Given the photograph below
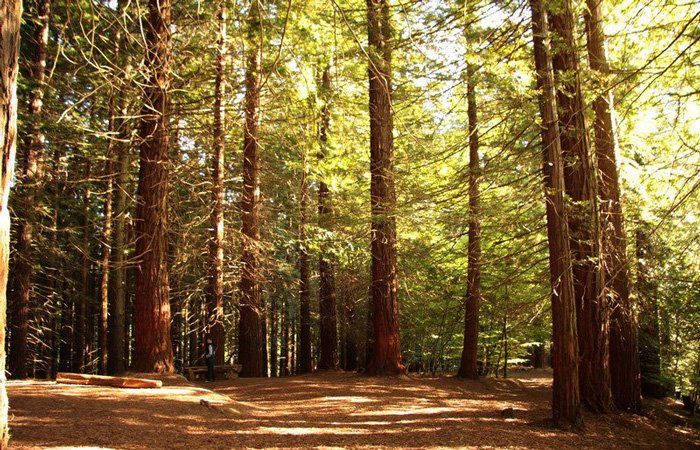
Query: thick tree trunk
153, 349
215, 296
326, 293
584, 226
566, 406
10, 14
623, 356
386, 351
304, 363
250, 323
31, 180
468, 367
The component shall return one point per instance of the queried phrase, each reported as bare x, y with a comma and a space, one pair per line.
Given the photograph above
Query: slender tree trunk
274, 337
305, 364
215, 298
351, 337
623, 355
250, 323
10, 14
32, 180
284, 349
263, 334
80, 332
468, 367
386, 352
153, 349
326, 293
566, 406
584, 226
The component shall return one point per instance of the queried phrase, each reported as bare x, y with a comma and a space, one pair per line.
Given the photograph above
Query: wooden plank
103, 380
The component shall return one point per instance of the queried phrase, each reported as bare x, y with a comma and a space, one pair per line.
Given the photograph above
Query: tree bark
250, 323
31, 178
584, 226
386, 351
304, 363
10, 14
215, 298
153, 349
80, 331
468, 367
623, 356
326, 293
566, 406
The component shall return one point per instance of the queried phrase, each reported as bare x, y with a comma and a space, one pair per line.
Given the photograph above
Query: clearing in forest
319, 410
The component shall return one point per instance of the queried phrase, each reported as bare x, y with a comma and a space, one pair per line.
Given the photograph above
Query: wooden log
103, 380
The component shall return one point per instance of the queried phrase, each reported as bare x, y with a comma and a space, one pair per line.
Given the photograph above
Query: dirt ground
327, 410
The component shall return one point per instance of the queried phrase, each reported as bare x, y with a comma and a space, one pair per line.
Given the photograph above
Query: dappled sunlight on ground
327, 409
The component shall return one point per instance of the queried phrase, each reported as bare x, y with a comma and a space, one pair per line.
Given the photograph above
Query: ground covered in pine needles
320, 410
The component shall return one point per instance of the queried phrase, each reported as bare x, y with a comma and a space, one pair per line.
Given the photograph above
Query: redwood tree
326, 293
386, 351
468, 367
584, 226
566, 406
10, 14
31, 178
153, 349
251, 310
624, 362
215, 294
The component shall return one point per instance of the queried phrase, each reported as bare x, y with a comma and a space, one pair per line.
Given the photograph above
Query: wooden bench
228, 371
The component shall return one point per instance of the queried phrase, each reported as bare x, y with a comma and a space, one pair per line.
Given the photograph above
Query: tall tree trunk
584, 226
326, 293
153, 349
250, 323
351, 335
32, 180
304, 363
215, 297
566, 405
386, 352
10, 14
623, 356
468, 367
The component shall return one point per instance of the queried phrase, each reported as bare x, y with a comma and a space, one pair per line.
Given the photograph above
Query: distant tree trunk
10, 14
153, 349
386, 351
250, 324
326, 292
284, 348
274, 355
584, 226
304, 363
263, 334
468, 367
566, 406
80, 333
215, 298
351, 335
623, 356
649, 336
31, 180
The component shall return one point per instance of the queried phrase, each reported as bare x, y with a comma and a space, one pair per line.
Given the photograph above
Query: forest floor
320, 410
